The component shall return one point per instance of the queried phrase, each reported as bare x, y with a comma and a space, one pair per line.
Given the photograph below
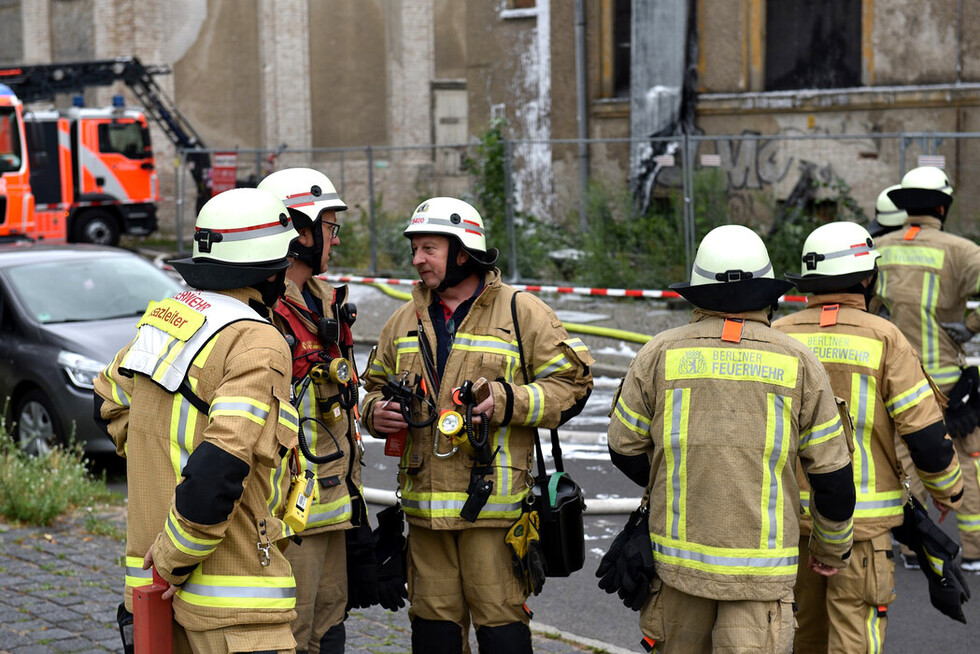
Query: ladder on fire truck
36, 82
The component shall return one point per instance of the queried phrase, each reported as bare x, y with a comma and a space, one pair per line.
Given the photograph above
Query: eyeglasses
334, 228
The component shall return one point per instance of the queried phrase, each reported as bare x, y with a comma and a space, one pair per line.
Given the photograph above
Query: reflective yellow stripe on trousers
771, 558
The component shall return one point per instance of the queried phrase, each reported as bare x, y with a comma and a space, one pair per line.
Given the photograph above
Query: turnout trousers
968, 515
849, 611
320, 568
698, 625
463, 575
271, 638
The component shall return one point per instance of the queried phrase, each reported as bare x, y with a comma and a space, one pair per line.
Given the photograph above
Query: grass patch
95, 524
36, 490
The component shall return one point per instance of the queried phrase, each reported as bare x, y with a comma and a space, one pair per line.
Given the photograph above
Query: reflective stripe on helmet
306, 199
722, 277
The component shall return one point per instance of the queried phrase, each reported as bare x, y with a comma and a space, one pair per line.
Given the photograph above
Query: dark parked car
65, 310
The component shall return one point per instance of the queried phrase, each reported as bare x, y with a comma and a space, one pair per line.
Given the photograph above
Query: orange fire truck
91, 173
16, 199
113, 182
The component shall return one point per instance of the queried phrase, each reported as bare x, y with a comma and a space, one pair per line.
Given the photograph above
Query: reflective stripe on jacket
339, 481
433, 489
242, 374
724, 425
925, 277
874, 368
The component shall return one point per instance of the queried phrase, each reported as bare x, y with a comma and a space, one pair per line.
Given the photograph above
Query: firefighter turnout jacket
925, 277
326, 408
724, 407
198, 403
433, 489
874, 368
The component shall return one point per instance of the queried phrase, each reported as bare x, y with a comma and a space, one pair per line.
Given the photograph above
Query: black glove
948, 592
936, 553
390, 554
362, 568
963, 411
627, 568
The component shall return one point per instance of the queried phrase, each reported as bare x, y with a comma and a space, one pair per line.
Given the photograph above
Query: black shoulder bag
558, 499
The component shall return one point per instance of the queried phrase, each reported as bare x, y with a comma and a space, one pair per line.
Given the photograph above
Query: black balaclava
456, 273
311, 256
272, 290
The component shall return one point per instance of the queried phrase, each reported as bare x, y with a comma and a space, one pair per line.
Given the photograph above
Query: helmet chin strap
455, 273
311, 256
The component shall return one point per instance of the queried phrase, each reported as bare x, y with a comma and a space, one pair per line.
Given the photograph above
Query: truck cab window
10, 151
126, 139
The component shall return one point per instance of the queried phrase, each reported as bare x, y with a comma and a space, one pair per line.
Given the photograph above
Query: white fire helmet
888, 217
836, 256
922, 190
241, 237
886, 213
305, 191
453, 218
732, 272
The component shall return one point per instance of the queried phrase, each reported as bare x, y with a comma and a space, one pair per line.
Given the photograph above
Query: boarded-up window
813, 44
521, 4
450, 111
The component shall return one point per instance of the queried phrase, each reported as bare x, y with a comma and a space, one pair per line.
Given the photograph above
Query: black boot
334, 641
513, 638
436, 637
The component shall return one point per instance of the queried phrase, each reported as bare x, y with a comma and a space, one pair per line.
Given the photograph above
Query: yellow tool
303, 493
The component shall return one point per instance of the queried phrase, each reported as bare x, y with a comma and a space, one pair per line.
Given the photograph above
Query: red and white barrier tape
535, 288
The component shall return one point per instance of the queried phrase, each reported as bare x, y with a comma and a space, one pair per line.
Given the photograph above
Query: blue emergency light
77, 101
117, 101
5, 90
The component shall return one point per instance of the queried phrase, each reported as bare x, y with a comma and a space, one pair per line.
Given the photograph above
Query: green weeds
36, 490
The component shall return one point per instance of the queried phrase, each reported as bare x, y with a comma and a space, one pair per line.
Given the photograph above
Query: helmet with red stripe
455, 219
308, 194
836, 256
241, 238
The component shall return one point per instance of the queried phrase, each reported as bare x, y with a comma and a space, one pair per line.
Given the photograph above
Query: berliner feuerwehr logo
692, 363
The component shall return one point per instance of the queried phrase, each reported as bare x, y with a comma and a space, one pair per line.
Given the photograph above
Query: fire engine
98, 171
82, 174
91, 173
16, 199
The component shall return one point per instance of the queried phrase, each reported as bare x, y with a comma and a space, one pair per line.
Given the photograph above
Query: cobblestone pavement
60, 585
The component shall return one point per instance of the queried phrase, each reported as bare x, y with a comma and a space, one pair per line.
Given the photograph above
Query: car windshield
90, 289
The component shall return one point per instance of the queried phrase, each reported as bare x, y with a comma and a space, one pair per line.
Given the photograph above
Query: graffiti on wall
761, 171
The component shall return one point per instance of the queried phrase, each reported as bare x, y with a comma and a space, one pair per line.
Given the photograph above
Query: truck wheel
37, 429
99, 227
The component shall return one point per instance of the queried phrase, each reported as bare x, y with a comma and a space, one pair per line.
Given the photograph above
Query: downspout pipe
582, 111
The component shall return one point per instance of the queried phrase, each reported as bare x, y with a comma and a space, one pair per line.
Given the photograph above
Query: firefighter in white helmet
711, 417
198, 403
888, 217
462, 498
333, 561
926, 277
873, 365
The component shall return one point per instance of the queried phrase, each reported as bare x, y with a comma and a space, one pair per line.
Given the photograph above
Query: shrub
36, 490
